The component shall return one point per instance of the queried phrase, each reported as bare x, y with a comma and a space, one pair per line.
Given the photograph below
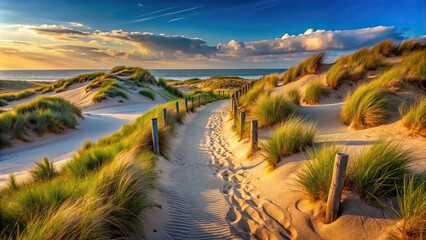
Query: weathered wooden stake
186, 105
234, 109
242, 123
205, 98
211, 96
199, 100
155, 139
336, 188
177, 108
165, 116
254, 136
192, 103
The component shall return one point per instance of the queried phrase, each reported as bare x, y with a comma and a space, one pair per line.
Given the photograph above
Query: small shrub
13, 184
294, 96
335, 75
415, 118
147, 93
272, 109
44, 170
109, 89
315, 175
412, 204
44, 114
366, 107
289, 76
408, 46
385, 48
252, 95
378, 171
313, 92
271, 80
117, 69
293, 135
3, 102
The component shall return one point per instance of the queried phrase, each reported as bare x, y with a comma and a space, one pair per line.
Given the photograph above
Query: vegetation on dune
44, 114
366, 107
258, 89
135, 74
310, 65
315, 175
408, 46
43, 170
211, 84
313, 92
386, 48
413, 67
100, 192
335, 75
271, 109
62, 85
109, 88
289, 76
291, 136
270, 80
147, 93
8, 97
3, 103
415, 117
7, 86
379, 170
412, 204
172, 90
294, 96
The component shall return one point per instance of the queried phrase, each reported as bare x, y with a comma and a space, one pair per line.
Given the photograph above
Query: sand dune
96, 124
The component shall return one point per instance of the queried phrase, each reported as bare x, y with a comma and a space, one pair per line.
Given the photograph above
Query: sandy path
203, 195
96, 124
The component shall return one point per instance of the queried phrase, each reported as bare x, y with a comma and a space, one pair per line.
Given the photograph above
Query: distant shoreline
174, 74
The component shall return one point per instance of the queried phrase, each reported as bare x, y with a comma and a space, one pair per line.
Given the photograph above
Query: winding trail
207, 196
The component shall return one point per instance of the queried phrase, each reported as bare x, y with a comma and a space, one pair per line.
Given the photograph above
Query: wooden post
211, 96
205, 98
186, 105
199, 100
165, 116
192, 103
242, 123
254, 136
155, 139
336, 187
234, 110
177, 108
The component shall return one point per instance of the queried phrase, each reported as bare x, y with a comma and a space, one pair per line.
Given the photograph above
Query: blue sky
218, 22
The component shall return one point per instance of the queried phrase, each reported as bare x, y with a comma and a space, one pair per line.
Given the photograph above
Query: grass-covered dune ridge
107, 82
310, 65
44, 114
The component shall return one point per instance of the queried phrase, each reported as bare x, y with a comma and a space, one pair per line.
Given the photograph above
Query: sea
175, 74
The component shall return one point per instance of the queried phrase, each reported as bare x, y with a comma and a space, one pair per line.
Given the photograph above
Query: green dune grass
44, 114
379, 170
271, 109
289, 137
310, 65
313, 92
315, 175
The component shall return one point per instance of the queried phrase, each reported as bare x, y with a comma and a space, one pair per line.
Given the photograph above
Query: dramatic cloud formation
61, 46
55, 30
311, 40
